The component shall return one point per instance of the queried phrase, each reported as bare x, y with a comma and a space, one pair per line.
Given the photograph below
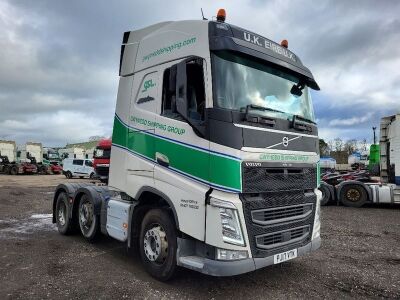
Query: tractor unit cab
389, 146
51, 159
101, 159
214, 157
220, 121
30, 156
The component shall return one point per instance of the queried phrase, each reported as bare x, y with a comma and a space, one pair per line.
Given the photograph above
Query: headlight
224, 254
231, 229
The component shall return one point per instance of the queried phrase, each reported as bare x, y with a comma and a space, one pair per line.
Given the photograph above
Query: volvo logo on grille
285, 141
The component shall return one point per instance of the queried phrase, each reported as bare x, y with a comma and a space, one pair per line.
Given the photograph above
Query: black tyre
91, 175
89, 223
6, 170
353, 195
158, 244
43, 170
64, 223
326, 195
14, 170
68, 174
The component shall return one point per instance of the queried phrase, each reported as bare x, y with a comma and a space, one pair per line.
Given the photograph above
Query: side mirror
297, 89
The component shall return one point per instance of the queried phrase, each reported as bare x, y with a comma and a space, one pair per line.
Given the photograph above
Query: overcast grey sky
59, 59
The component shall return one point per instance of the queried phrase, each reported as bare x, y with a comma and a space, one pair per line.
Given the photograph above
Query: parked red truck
101, 159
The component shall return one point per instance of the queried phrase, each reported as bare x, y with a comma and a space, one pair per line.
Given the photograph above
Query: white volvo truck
214, 160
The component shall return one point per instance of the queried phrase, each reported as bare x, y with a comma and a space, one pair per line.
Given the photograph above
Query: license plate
284, 256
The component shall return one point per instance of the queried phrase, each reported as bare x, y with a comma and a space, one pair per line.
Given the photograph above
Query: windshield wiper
263, 108
265, 120
301, 123
303, 119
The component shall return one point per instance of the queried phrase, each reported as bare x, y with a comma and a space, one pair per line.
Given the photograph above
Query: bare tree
350, 146
338, 144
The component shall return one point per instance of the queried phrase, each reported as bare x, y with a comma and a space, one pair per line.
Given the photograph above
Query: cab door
181, 152
141, 130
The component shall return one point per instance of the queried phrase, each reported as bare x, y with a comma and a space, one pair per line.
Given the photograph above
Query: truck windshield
240, 81
53, 155
102, 153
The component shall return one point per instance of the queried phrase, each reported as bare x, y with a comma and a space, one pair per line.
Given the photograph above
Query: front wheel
68, 174
89, 223
158, 244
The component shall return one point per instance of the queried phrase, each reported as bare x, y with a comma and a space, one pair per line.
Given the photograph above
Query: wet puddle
22, 228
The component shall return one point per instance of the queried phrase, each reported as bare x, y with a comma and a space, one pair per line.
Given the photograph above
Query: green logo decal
170, 48
147, 85
164, 127
283, 157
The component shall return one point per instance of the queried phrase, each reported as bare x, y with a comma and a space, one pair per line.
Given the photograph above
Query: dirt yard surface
359, 258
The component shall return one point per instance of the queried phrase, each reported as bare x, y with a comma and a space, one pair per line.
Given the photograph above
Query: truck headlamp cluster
225, 254
231, 228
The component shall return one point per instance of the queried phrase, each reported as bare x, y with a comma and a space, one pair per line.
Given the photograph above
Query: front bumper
230, 268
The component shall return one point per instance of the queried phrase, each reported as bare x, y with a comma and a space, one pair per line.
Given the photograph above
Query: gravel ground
359, 258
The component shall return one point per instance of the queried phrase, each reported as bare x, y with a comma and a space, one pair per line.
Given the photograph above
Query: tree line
340, 149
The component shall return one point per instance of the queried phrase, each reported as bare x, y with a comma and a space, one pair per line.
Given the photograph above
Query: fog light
224, 254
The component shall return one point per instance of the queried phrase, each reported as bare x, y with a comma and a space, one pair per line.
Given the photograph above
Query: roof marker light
221, 15
285, 43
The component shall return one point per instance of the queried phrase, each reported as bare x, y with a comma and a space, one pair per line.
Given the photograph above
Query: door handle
162, 159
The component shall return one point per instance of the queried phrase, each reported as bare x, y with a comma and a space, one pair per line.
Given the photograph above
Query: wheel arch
148, 198
68, 188
148, 192
96, 195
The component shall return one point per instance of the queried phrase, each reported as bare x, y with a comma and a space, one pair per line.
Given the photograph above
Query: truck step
192, 262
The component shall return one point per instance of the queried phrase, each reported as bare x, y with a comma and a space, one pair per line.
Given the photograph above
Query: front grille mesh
290, 236
281, 214
258, 180
102, 170
279, 208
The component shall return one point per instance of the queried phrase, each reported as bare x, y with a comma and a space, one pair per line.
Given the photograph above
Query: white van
78, 167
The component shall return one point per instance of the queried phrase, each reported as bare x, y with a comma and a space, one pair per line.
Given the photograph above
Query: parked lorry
214, 158
10, 164
356, 189
51, 159
101, 159
73, 152
32, 152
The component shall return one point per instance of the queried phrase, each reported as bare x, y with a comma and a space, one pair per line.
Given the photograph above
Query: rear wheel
68, 174
158, 244
6, 170
64, 223
14, 170
91, 175
353, 195
88, 221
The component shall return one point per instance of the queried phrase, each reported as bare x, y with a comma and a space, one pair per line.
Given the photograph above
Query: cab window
195, 92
